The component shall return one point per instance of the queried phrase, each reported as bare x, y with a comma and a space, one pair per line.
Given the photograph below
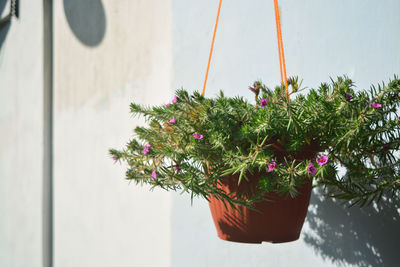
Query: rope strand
282, 64
212, 47
280, 47
279, 43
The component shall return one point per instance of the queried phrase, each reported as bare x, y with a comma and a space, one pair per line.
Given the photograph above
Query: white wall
21, 138
322, 39
110, 53
107, 55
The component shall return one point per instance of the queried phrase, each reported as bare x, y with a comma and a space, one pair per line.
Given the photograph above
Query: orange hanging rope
279, 43
282, 64
212, 47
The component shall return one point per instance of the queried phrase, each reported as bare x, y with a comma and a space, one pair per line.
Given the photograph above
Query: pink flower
197, 136
172, 121
376, 105
311, 169
175, 99
398, 119
153, 175
271, 166
115, 158
264, 102
146, 148
167, 105
322, 160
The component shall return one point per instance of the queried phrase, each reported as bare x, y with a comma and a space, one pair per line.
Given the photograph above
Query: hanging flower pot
255, 163
259, 159
276, 219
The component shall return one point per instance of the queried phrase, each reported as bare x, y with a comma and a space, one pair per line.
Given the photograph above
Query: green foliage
357, 131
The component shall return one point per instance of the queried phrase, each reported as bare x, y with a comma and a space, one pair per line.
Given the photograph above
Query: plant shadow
232, 224
367, 236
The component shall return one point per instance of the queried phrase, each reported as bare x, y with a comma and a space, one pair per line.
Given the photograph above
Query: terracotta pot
279, 220
276, 221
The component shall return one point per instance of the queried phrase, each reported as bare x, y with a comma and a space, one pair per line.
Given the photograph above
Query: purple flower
271, 166
349, 97
175, 99
386, 147
398, 119
146, 148
115, 158
197, 136
311, 169
322, 160
153, 175
177, 168
172, 121
376, 105
264, 102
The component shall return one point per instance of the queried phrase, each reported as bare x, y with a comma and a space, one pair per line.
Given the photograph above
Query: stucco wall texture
103, 61
21, 137
107, 54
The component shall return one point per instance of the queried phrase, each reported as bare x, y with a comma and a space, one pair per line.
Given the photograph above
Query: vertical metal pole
48, 133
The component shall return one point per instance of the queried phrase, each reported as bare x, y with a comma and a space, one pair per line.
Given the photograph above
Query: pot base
276, 220
249, 240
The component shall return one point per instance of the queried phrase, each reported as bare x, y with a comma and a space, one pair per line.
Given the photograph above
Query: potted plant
255, 163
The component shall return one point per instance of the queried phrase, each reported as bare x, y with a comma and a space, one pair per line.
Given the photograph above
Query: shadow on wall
87, 20
5, 27
368, 236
